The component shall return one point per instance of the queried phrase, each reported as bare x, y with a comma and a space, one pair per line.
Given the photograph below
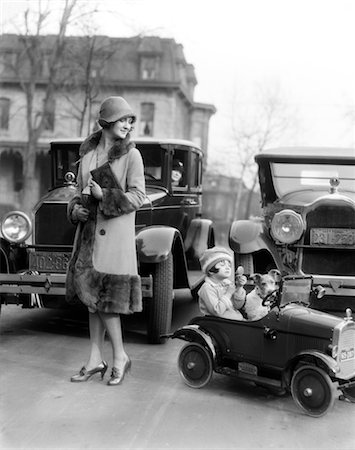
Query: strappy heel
117, 375
85, 375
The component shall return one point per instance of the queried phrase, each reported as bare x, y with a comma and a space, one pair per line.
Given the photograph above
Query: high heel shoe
117, 375
84, 374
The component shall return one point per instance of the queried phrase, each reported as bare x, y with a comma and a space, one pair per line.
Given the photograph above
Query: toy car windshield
296, 290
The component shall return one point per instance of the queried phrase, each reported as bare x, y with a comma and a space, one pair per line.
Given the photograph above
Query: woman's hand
95, 189
80, 213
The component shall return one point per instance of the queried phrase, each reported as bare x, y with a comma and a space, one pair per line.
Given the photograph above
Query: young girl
216, 292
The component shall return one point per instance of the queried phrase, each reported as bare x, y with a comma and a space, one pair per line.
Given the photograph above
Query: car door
186, 193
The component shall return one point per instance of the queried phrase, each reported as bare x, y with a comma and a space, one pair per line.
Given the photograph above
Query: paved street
153, 409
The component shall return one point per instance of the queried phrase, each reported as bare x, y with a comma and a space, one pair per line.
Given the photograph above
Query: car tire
195, 365
312, 390
161, 305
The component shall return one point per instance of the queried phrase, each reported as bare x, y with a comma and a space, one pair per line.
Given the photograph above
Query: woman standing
102, 272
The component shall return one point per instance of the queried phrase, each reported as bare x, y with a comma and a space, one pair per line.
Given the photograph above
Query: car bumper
49, 284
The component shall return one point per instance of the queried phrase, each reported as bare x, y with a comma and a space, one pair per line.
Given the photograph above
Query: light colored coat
103, 269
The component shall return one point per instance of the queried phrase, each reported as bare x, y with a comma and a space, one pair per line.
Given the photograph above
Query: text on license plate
49, 261
347, 354
333, 236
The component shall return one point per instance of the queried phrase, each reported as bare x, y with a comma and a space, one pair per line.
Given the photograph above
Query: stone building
150, 72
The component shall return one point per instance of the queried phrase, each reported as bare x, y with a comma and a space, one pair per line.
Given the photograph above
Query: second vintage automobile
292, 348
308, 222
171, 235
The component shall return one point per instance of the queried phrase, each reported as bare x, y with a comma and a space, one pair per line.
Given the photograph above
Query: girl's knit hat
212, 256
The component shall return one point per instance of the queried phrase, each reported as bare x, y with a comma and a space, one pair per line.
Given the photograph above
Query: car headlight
287, 226
16, 227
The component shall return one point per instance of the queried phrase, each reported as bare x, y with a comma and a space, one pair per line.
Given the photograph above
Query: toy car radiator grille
346, 351
330, 241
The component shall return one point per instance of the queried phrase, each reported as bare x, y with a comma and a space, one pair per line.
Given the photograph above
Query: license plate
49, 261
333, 236
247, 368
345, 355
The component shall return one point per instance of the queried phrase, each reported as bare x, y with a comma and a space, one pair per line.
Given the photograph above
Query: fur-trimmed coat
102, 272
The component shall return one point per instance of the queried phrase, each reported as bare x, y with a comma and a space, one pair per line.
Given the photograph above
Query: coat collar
119, 148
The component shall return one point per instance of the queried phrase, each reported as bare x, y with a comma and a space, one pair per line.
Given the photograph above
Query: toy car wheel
161, 305
195, 365
312, 390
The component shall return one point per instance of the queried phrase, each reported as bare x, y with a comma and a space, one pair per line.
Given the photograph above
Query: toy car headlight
16, 227
287, 226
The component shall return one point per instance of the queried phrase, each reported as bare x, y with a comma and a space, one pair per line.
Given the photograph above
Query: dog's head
266, 284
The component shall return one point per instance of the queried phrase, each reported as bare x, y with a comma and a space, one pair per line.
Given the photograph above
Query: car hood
154, 195
65, 193
62, 194
309, 322
306, 197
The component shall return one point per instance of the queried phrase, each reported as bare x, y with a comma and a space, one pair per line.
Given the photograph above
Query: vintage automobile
171, 235
308, 223
293, 348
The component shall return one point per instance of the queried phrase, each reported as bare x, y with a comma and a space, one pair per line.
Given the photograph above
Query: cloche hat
212, 256
115, 108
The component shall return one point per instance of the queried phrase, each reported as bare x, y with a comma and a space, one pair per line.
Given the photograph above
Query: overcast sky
305, 47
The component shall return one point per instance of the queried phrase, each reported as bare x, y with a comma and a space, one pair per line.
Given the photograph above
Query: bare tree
253, 129
86, 61
33, 62
40, 69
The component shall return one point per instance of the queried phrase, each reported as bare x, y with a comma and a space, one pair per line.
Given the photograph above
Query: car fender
193, 333
199, 237
247, 236
314, 357
156, 242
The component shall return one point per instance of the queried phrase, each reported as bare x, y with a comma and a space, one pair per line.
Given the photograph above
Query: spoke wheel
195, 365
312, 390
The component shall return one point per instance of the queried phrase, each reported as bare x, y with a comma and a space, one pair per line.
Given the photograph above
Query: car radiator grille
329, 260
346, 356
52, 226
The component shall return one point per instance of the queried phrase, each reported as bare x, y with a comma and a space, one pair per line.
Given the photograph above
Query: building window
49, 117
4, 113
149, 67
8, 61
146, 119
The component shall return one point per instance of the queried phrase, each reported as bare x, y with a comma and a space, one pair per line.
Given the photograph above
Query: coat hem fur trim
110, 293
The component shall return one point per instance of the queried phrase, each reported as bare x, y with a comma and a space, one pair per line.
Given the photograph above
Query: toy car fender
193, 333
319, 358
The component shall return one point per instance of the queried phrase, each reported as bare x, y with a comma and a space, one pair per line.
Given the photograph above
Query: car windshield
296, 290
289, 177
65, 159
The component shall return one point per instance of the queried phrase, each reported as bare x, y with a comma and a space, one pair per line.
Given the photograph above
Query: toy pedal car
293, 348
